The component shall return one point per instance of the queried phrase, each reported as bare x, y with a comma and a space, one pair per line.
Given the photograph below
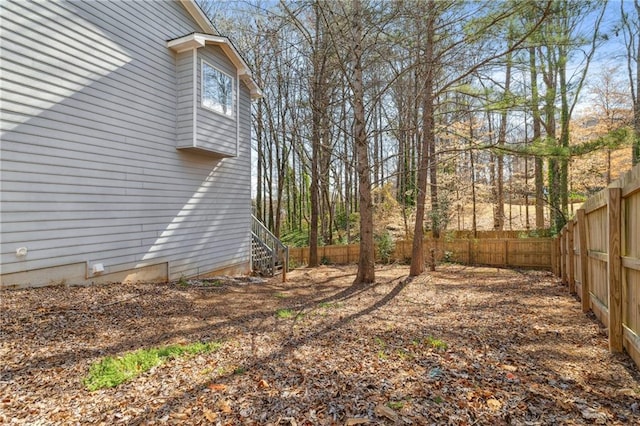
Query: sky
611, 53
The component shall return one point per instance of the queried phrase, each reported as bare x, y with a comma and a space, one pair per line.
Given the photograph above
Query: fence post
571, 258
584, 260
563, 255
559, 255
614, 266
558, 252
285, 265
506, 253
554, 245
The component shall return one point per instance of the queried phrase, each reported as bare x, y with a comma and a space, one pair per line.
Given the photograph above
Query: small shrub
384, 246
296, 238
293, 264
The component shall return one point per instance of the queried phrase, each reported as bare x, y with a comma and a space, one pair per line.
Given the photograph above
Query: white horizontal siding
90, 122
185, 100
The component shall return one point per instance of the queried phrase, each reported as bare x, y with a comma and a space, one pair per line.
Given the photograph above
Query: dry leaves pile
459, 346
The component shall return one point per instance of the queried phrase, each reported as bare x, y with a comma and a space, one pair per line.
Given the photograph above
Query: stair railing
278, 250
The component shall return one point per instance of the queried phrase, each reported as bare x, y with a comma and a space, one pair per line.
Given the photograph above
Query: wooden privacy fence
598, 257
517, 253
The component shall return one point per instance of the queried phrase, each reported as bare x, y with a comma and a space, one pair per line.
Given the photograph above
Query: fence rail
598, 257
517, 253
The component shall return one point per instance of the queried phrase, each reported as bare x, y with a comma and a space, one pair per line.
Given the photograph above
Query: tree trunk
259, 133
636, 99
474, 221
537, 134
316, 122
428, 138
366, 266
502, 139
563, 187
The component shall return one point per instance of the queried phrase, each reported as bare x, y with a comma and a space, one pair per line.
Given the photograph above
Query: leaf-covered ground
460, 346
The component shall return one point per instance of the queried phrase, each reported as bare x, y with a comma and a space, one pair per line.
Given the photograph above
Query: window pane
217, 90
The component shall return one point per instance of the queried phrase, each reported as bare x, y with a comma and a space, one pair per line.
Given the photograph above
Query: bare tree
631, 33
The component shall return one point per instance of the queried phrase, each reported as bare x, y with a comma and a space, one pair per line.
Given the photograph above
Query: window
217, 90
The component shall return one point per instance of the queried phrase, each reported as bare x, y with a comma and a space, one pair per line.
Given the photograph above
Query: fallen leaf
494, 404
625, 392
591, 414
210, 415
566, 404
179, 416
217, 387
384, 411
224, 406
356, 421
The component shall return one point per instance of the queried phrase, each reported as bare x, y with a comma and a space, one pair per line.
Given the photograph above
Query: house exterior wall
215, 131
185, 73
90, 170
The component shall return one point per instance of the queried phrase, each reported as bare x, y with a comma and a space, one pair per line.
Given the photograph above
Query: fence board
608, 262
575, 260
519, 253
631, 265
583, 261
571, 258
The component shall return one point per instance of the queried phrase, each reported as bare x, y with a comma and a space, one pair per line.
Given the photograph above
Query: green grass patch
111, 371
288, 313
395, 405
436, 344
403, 354
213, 283
284, 313
329, 305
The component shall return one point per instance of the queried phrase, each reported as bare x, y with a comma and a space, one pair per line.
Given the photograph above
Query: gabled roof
211, 36
198, 15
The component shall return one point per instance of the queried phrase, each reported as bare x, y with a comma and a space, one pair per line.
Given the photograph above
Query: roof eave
198, 15
197, 40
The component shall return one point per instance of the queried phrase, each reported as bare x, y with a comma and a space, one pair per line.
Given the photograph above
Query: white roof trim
199, 16
197, 40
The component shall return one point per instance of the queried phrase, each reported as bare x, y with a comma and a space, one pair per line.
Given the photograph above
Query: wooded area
600, 260
441, 104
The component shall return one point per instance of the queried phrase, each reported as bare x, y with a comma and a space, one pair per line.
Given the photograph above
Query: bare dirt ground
463, 346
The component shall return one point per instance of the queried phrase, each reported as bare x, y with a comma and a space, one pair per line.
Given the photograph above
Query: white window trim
234, 105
